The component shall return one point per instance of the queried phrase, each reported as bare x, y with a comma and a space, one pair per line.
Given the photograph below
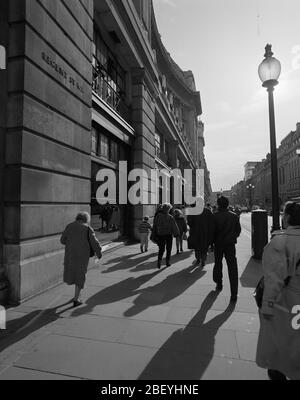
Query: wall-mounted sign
2, 57
62, 72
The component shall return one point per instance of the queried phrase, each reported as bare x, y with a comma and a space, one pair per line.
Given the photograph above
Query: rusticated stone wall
48, 141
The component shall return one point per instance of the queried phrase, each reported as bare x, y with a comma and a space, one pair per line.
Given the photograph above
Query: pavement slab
24, 374
86, 358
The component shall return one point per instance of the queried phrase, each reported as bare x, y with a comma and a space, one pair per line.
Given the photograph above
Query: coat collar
293, 230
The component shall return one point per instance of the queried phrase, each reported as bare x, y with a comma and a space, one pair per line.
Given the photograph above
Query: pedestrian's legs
275, 375
198, 256
146, 241
230, 256
76, 300
178, 244
203, 258
218, 273
143, 237
169, 243
161, 241
181, 242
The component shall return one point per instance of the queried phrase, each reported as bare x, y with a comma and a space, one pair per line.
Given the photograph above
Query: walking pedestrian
227, 230
165, 228
278, 348
79, 240
182, 226
144, 229
201, 235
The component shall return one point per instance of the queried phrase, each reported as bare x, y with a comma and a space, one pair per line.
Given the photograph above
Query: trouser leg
143, 237
218, 267
169, 244
204, 257
77, 293
231, 260
181, 242
162, 247
178, 243
198, 255
146, 241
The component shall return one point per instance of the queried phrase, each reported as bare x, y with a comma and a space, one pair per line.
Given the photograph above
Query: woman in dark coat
201, 234
78, 239
182, 226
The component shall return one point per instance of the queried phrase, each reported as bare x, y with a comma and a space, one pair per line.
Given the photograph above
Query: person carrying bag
278, 348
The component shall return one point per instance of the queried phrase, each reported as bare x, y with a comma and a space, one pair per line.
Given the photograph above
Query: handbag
92, 253
184, 236
259, 292
153, 236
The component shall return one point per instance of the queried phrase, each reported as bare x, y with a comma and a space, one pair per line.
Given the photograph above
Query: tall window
146, 15
109, 77
105, 147
157, 144
143, 8
94, 141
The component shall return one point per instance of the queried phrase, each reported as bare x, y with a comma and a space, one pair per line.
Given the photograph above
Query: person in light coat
278, 348
78, 239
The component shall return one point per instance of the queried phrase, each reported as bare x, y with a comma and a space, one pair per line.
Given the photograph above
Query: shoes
142, 250
177, 252
276, 375
146, 251
233, 299
77, 303
203, 263
219, 287
168, 264
159, 264
181, 250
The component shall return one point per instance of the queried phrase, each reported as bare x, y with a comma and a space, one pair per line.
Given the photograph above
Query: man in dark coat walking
227, 230
201, 234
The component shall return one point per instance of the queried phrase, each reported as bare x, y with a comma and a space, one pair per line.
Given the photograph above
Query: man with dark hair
227, 230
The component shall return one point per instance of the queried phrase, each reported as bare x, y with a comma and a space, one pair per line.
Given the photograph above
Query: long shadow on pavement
117, 292
168, 289
174, 260
19, 328
126, 262
189, 351
252, 273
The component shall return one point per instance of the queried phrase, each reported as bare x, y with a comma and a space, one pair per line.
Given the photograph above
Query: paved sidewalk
138, 322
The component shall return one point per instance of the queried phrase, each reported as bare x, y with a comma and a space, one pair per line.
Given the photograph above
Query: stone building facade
88, 83
288, 173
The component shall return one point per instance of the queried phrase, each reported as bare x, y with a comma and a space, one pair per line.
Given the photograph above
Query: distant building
288, 173
249, 168
289, 166
238, 194
216, 195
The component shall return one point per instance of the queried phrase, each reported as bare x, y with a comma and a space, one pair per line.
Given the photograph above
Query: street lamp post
250, 188
269, 72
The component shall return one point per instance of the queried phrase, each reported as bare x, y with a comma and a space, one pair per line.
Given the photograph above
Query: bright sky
222, 42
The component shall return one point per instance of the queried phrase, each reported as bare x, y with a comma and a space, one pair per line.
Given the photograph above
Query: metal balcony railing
105, 90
